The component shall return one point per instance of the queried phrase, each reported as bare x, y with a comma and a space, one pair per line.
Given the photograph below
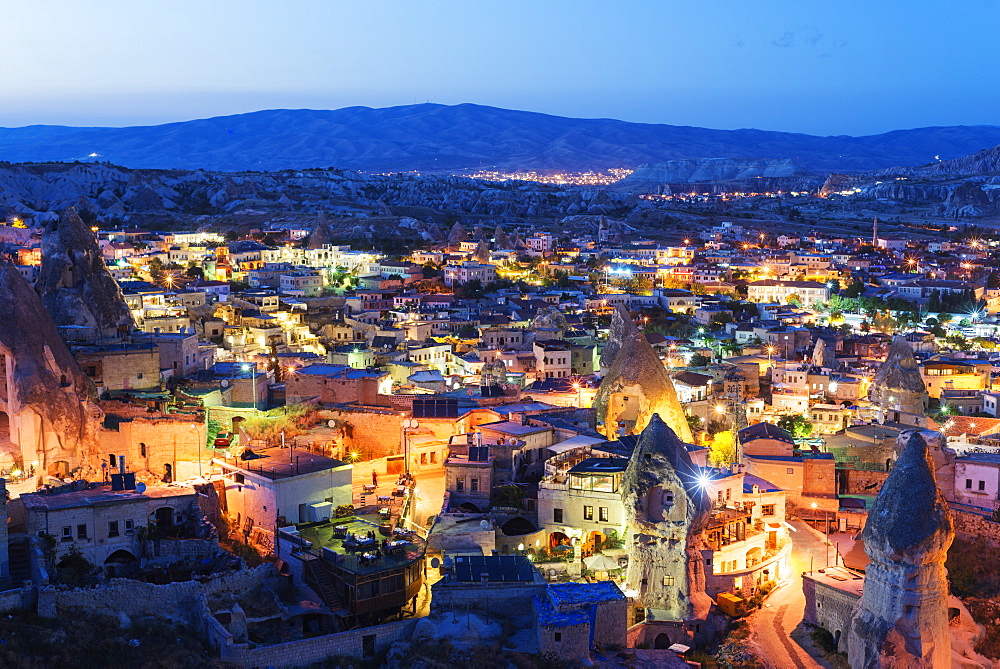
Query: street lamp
253, 375
579, 395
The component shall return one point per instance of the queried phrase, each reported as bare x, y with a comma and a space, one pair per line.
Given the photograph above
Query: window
474, 487
968, 484
788, 470
588, 513
557, 515
602, 514
113, 528
460, 484
238, 478
668, 580
142, 449
767, 510
128, 527
81, 531
433, 457
67, 533
982, 485
557, 636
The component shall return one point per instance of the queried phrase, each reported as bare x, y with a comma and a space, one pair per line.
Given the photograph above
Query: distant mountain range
442, 138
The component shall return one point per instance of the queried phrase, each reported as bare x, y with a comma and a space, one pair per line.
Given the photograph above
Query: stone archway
558, 539
662, 641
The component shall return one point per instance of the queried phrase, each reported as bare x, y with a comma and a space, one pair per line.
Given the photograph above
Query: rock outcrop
897, 385
667, 510
74, 283
50, 406
636, 384
550, 319
901, 619
824, 356
321, 233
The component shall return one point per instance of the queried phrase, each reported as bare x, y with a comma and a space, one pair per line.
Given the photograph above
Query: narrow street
774, 623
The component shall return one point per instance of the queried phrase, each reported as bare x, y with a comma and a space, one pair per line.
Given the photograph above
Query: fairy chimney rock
636, 385
667, 509
903, 610
74, 282
897, 385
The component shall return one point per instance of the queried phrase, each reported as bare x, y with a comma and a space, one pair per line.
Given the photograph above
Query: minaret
902, 616
875, 232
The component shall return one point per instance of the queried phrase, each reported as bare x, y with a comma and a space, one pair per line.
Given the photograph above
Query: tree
699, 360
694, 422
795, 424
722, 449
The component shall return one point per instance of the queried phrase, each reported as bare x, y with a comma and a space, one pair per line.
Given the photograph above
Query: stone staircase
317, 577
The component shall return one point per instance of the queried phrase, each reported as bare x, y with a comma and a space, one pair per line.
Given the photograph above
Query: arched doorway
662, 641
594, 543
164, 518
557, 539
754, 556
469, 507
836, 639
517, 526
119, 563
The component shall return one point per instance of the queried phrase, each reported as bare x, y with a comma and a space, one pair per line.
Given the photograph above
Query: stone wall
373, 433
829, 608
976, 524
570, 643
309, 651
856, 481
173, 601
20, 598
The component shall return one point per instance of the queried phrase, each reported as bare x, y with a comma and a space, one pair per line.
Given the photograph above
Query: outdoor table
384, 511
368, 488
384, 499
339, 531
400, 490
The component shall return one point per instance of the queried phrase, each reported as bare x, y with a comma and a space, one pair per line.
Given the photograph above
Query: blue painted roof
584, 593
549, 616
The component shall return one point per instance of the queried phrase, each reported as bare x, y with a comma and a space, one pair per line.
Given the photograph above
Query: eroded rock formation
636, 384
901, 619
667, 510
897, 385
48, 406
74, 283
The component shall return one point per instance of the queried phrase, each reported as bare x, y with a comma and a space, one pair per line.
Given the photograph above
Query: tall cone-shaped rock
74, 283
636, 384
482, 253
321, 233
902, 615
48, 402
824, 356
666, 509
897, 385
500, 239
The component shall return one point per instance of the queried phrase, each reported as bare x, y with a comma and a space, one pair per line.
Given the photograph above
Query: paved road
429, 488
774, 622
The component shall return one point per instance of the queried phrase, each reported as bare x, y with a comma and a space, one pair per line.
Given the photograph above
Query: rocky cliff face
636, 385
667, 511
901, 619
675, 173
897, 385
74, 283
50, 404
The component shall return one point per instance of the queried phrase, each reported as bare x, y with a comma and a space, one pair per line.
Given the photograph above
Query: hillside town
572, 443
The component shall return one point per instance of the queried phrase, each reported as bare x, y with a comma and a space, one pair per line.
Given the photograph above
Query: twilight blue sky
845, 67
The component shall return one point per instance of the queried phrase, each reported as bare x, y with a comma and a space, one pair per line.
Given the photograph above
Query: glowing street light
253, 375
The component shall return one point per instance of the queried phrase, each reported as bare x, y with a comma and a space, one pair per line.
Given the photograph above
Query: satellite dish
435, 563
331, 423
513, 441
140, 487
485, 524
225, 383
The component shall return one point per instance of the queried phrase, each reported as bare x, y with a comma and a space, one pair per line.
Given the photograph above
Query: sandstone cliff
50, 404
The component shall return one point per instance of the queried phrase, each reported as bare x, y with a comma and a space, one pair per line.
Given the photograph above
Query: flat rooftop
321, 535
600, 466
70, 496
841, 578
278, 463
